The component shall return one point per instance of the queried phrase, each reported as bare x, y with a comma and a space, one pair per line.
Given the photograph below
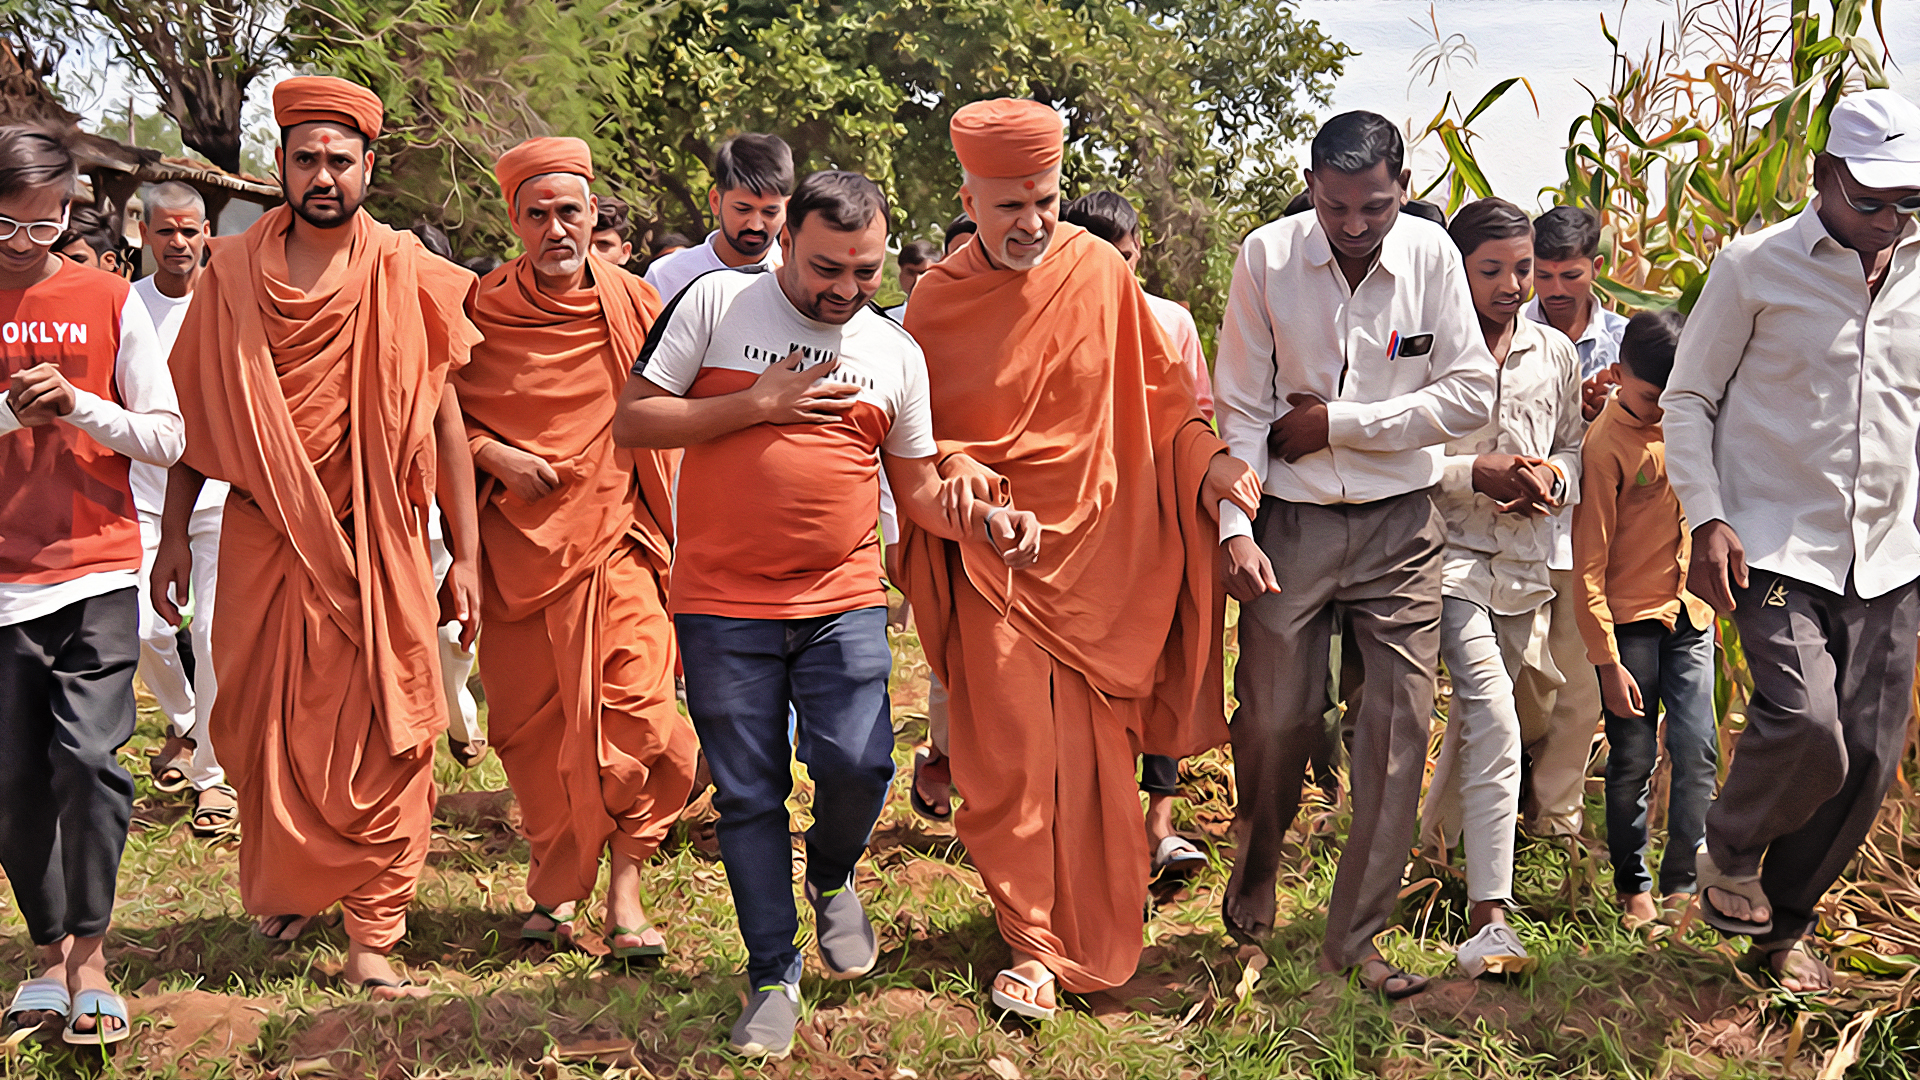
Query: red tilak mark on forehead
546, 193
326, 139
1028, 185
852, 251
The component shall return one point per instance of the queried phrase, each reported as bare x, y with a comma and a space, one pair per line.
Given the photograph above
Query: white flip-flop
1014, 1005
1177, 857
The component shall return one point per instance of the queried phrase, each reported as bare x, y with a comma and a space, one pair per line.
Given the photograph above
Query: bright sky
1556, 44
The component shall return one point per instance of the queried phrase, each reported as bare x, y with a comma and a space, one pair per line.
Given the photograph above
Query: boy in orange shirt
1651, 640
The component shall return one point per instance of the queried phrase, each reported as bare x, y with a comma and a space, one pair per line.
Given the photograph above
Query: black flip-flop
1413, 984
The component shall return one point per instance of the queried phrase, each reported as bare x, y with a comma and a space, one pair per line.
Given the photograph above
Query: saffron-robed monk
578, 660
313, 370
1051, 380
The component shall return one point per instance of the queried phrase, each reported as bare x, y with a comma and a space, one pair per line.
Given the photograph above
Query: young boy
87, 390
1500, 489
1651, 640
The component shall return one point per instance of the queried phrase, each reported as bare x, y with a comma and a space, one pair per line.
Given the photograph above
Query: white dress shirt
1294, 326
1499, 560
1794, 407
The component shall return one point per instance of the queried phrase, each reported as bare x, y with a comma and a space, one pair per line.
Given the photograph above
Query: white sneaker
1495, 950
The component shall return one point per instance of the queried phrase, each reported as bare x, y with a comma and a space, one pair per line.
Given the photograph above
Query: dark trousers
66, 708
1832, 694
1379, 563
1159, 775
1674, 670
741, 674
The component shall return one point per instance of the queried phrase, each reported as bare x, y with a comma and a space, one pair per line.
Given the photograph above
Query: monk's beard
328, 219
557, 265
1006, 258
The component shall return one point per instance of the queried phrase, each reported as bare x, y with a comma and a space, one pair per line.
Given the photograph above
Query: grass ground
214, 1001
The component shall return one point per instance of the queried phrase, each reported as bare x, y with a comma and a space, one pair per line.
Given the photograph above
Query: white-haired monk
313, 370
1052, 380
578, 661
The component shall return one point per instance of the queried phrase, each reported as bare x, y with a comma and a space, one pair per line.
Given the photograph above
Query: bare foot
1734, 906
1247, 910
370, 970
1034, 971
1673, 907
1798, 971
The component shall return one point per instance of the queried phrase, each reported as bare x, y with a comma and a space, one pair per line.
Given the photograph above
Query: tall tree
1180, 104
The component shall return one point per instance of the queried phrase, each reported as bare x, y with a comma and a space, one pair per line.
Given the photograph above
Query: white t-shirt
149, 482
777, 521
671, 274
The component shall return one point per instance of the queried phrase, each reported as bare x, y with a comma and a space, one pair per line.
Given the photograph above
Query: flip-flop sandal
45, 994
1177, 859
281, 923
548, 937
1769, 951
932, 764
1009, 1003
214, 822
642, 951
101, 1005
170, 774
1411, 984
1708, 875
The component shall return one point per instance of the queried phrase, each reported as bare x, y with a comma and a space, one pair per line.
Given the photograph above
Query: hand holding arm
529, 476
962, 505
1230, 479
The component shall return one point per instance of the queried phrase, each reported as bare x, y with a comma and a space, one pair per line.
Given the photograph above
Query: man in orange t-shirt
86, 394
790, 391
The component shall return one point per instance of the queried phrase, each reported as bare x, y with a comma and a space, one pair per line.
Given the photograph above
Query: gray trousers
1379, 563
66, 708
1832, 694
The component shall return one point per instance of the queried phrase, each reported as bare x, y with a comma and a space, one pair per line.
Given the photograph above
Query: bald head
175, 230
176, 196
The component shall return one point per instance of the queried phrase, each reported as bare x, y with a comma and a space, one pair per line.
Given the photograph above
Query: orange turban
537, 157
307, 99
1007, 137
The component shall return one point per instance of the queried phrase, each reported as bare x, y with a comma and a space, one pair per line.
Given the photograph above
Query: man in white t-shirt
176, 232
752, 177
789, 392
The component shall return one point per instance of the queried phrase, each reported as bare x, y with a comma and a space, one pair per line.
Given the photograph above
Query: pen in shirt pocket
1393, 344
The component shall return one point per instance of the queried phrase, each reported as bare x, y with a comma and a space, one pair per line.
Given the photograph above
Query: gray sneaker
1495, 950
840, 926
765, 1027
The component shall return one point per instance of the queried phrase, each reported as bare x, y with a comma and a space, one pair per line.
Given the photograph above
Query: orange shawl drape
318, 408
1060, 379
583, 717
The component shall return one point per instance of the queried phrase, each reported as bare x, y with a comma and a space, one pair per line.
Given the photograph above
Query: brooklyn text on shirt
42, 332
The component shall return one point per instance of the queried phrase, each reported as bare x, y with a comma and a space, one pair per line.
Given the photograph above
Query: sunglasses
1870, 207
40, 232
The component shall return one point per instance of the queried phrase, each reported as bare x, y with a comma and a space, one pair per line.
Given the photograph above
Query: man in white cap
1791, 424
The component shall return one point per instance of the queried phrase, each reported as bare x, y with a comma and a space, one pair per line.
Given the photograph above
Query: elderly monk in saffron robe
1052, 381
313, 370
578, 660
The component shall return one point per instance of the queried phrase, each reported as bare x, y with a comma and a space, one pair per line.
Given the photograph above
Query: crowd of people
1424, 445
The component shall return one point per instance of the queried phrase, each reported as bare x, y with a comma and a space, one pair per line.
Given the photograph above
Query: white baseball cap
1877, 133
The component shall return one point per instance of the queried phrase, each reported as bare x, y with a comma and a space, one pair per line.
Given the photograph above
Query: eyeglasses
1868, 207
40, 232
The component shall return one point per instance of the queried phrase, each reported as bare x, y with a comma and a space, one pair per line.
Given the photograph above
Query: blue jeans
741, 674
1673, 668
